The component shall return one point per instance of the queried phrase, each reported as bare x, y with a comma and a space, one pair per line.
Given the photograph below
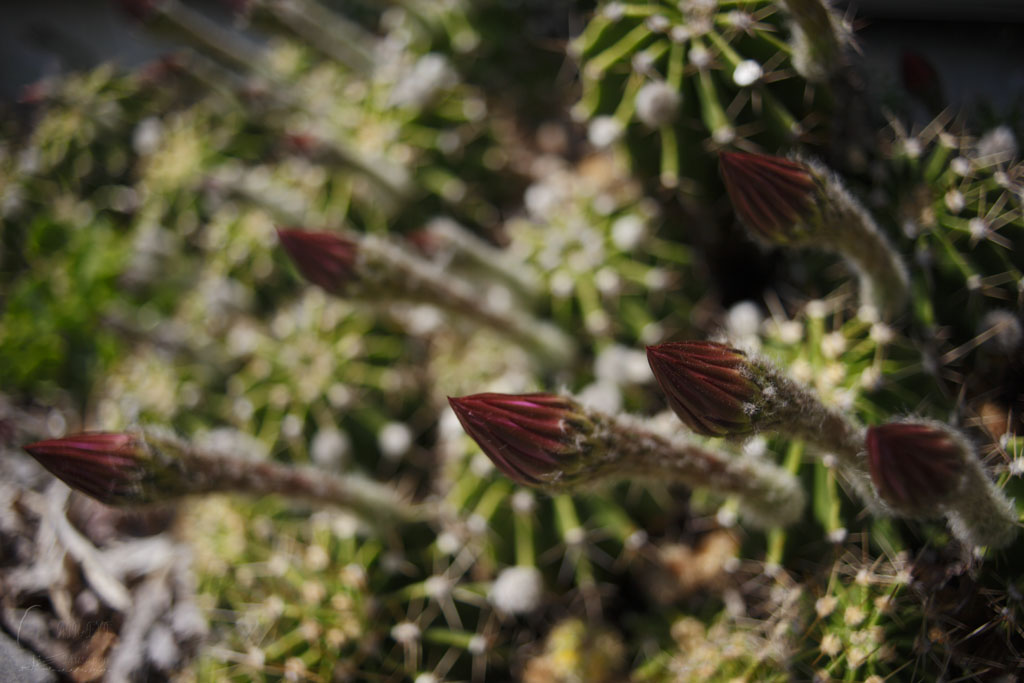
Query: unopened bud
527, 436
114, 468
710, 386
326, 259
915, 467
774, 197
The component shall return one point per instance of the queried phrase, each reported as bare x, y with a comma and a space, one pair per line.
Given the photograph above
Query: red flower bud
922, 80
915, 466
526, 436
36, 93
324, 258
302, 143
707, 385
772, 196
137, 9
107, 466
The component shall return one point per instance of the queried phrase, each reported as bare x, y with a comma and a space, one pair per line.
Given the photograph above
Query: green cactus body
837, 501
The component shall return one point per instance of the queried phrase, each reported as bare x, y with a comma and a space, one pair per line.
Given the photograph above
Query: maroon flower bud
302, 143
708, 385
426, 242
107, 466
915, 466
137, 9
238, 6
922, 81
159, 70
774, 197
324, 258
36, 93
526, 436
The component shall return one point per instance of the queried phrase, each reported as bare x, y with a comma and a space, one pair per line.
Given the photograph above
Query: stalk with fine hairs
925, 469
916, 469
717, 390
802, 204
819, 39
464, 248
182, 21
142, 467
370, 267
229, 47
552, 442
344, 41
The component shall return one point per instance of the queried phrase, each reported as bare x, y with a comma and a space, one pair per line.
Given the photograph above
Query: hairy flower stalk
184, 22
231, 48
466, 249
390, 177
344, 41
800, 204
819, 39
717, 390
552, 442
150, 466
912, 469
368, 267
926, 469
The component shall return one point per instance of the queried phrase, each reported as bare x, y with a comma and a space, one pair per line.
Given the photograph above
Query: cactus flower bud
557, 444
774, 197
110, 467
153, 466
708, 385
915, 467
922, 81
137, 9
801, 204
526, 436
326, 259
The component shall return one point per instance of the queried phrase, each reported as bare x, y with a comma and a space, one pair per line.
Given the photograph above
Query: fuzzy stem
343, 41
622, 447
391, 177
981, 515
978, 513
224, 473
884, 282
487, 257
207, 472
796, 411
389, 271
227, 45
817, 39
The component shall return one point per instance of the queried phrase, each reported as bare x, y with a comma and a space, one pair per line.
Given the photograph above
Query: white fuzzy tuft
604, 131
1005, 328
996, 146
394, 440
517, 590
747, 73
657, 104
330, 448
406, 633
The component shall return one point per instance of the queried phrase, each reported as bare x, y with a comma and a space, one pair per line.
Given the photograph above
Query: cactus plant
320, 312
